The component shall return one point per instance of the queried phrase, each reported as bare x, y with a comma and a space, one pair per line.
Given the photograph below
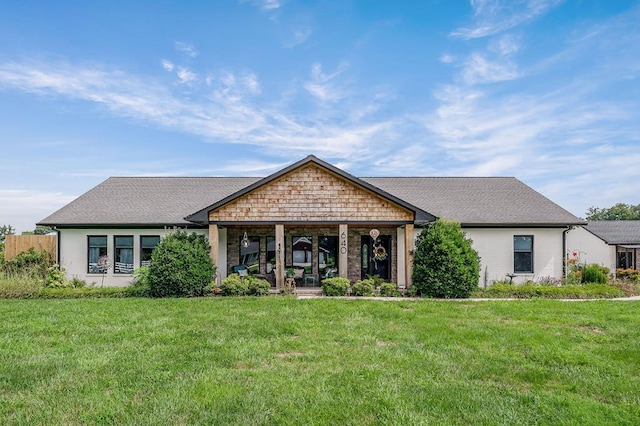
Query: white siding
590, 248
74, 253
495, 247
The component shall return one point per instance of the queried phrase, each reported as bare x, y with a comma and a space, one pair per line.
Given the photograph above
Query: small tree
180, 266
445, 264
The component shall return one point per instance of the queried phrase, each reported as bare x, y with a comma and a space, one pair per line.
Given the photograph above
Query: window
523, 254
250, 255
97, 250
123, 254
626, 259
327, 255
271, 255
148, 244
302, 253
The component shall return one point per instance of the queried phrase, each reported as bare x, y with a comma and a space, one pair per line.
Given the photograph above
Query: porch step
309, 291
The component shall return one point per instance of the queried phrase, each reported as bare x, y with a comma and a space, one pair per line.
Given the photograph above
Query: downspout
58, 245
564, 251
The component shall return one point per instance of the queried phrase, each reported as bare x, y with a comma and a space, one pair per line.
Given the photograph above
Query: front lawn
251, 361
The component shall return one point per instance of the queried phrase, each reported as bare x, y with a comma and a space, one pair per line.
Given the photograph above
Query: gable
310, 193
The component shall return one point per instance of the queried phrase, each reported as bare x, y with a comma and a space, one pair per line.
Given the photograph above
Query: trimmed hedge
336, 286
529, 291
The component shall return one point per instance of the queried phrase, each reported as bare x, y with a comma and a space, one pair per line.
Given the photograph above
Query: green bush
180, 266
56, 277
31, 261
630, 274
389, 290
364, 287
531, 290
594, 274
258, 287
140, 283
234, 285
445, 264
336, 286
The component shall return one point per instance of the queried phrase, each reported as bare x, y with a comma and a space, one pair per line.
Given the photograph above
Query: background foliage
620, 211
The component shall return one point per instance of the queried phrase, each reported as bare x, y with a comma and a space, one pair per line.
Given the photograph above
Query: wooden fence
16, 244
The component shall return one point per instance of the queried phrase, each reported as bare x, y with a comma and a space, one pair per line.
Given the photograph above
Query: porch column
343, 250
409, 247
214, 241
280, 255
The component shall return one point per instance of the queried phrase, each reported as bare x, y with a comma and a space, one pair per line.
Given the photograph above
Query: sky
547, 91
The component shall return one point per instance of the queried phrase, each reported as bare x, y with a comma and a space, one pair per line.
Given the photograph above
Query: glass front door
376, 256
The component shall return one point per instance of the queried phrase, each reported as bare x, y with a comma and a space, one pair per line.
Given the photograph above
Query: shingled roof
167, 201
619, 232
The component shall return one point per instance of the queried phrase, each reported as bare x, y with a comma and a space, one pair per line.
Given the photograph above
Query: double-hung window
523, 254
97, 251
123, 254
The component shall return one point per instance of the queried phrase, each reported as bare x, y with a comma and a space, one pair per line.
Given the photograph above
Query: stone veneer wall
235, 234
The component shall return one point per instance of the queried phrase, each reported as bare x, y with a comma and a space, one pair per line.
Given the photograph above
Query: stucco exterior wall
590, 248
74, 252
495, 247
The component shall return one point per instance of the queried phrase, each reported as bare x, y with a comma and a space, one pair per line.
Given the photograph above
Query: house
314, 217
611, 243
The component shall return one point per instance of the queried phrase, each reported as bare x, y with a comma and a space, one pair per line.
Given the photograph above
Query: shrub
389, 290
234, 285
56, 277
445, 264
31, 261
140, 284
336, 286
180, 266
630, 274
594, 274
364, 287
258, 287
531, 290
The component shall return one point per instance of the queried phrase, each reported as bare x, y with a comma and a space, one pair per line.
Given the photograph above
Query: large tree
620, 211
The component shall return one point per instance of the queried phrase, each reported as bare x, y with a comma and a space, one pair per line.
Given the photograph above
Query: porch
315, 252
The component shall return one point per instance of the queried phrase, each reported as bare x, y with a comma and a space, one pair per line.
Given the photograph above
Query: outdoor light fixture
245, 241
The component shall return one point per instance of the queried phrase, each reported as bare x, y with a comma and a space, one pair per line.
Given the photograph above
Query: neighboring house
314, 216
611, 243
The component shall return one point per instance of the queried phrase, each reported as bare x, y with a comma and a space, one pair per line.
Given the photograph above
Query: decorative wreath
379, 253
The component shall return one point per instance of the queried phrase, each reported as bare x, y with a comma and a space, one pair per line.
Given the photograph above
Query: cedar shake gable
309, 191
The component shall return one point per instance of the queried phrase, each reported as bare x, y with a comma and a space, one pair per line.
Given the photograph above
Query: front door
376, 256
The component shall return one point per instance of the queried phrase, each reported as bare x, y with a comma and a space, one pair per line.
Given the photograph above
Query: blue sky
547, 91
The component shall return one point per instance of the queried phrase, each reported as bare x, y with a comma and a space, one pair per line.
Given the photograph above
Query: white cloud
495, 16
478, 69
186, 75
167, 65
298, 37
225, 111
186, 48
321, 86
447, 59
23, 208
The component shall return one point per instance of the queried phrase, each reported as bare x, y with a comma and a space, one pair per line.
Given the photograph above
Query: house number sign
343, 243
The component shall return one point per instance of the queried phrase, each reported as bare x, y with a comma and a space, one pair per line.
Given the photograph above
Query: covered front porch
315, 252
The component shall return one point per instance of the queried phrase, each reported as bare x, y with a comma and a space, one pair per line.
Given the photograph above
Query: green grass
250, 361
